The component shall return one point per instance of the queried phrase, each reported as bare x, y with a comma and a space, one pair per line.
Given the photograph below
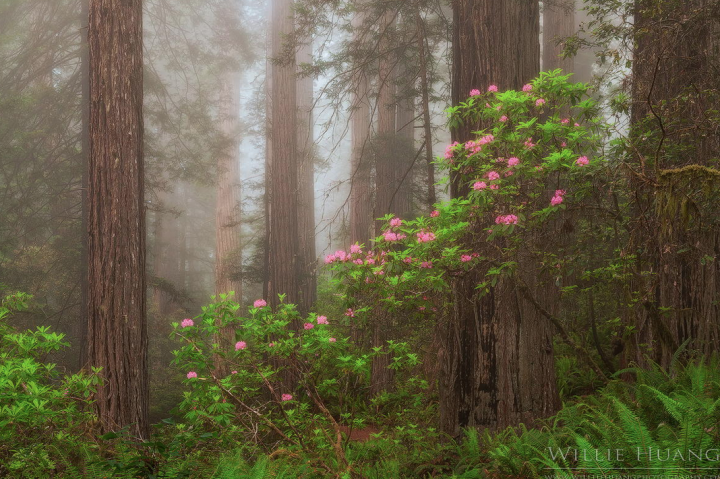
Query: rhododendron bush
531, 162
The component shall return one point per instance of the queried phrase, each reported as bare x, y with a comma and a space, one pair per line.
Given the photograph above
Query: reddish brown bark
117, 332
283, 180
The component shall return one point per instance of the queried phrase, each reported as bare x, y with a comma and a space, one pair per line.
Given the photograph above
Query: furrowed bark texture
227, 210
360, 120
498, 365
675, 232
307, 257
117, 333
283, 252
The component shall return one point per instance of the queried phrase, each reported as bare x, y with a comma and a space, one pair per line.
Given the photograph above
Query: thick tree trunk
85, 145
117, 332
405, 141
360, 188
675, 228
385, 177
498, 368
227, 210
283, 257
307, 257
427, 126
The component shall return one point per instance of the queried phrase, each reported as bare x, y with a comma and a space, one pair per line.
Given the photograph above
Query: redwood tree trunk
558, 24
283, 181
360, 121
307, 258
498, 368
117, 333
674, 86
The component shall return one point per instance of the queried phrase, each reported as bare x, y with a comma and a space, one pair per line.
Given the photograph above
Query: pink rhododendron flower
475, 92
556, 200
322, 320
465, 258
350, 313
577, 124
332, 340
329, 259
493, 175
390, 236
503, 118
513, 161
425, 236
506, 220
341, 255
582, 161
539, 102
358, 261
308, 325
529, 144
421, 308
395, 222
191, 374
401, 236
492, 88
407, 260
479, 185
565, 121
449, 150
434, 214
426, 264
563, 144
527, 87
233, 372
286, 397
355, 249
494, 187
272, 345
240, 345
186, 323
260, 303
370, 261
486, 139
508, 173
559, 192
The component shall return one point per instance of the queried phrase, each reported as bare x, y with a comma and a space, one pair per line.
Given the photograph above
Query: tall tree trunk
117, 331
675, 228
283, 259
558, 24
385, 177
360, 121
498, 367
427, 126
307, 257
227, 210
405, 141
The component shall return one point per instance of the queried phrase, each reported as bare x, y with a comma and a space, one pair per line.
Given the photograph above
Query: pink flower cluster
529, 143
475, 92
191, 375
396, 222
286, 397
186, 323
503, 118
465, 258
392, 236
582, 161
425, 236
493, 175
558, 198
339, 255
434, 214
350, 313
513, 161
527, 87
426, 264
332, 340
322, 320
355, 249
479, 185
240, 345
260, 303
449, 152
506, 220
492, 88
539, 102
308, 325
